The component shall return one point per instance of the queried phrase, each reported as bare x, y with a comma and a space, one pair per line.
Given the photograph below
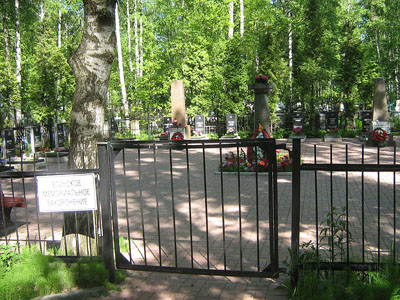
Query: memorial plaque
385, 125
63, 193
298, 121
366, 118
200, 125
231, 123
10, 143
60, 136
332, 120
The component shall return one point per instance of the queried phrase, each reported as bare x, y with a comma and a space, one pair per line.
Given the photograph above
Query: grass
30, 274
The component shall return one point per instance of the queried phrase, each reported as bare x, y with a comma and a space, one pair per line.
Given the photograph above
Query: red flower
379, 135
177, 136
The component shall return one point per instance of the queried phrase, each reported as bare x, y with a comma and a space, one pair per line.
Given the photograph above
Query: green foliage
212, 136
30, 274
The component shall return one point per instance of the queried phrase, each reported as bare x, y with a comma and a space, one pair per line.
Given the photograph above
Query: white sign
62, 193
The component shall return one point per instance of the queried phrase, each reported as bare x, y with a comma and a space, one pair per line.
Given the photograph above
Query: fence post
105, 202
296, 153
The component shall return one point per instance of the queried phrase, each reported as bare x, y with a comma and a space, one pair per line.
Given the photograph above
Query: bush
30, 274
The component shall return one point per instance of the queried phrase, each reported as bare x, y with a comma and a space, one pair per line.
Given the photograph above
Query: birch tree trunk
6, 33
137, 59
241, 18
128, 32
290, 42
121, 66
141, 38
231, 20
91, 65
18, 113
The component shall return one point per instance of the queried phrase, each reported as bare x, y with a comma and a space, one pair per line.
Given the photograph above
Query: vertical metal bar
362, 205
276, 211
190, 206
105, 201
331, 192
240, 209
206, 205
141, 206
295, 238
316, 206
394, 205
271, 212
257, 218
157, 203
347, 207
16, 230
173, 204
126, 206
379, 210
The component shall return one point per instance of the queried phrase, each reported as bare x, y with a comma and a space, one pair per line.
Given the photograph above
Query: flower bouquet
379, 136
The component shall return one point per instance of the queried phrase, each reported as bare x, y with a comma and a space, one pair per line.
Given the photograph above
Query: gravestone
332, 120
366, 119
298, 120
322, 121
379, 105
10, 142
261, 109
37, 137
231, 123
167, 123
200, 124
178, 109
380, 113
60, 136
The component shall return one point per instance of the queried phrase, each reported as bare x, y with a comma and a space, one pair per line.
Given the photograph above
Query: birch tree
18, 59
231, 19
121, 67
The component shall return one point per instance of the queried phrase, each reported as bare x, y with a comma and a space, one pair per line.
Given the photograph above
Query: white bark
6, 33
128, 29
120, 64
290, 57
41, 13
241, 18
231, 19
141, 38
59, 27
91, 65
18, 59
137, 59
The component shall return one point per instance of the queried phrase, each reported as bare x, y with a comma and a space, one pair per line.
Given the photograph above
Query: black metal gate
173, 210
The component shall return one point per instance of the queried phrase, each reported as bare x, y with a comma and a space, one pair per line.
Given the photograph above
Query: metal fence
348, 217
174, 211
21, 223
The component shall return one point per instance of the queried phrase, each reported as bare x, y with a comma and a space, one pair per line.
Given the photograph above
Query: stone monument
178, 109
261, 109
380, 114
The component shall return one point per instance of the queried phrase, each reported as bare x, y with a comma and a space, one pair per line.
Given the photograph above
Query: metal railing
174, 211
352, 208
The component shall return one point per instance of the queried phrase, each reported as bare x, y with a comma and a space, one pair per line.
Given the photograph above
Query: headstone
397, 107
332, 120
37, 136
322, 121
261, 108
10, 142
167, 123
298, 121
60, 136
178, 109
135, 127
379, 106
200, 124
231, 123
366, 118
178, 102
113, 127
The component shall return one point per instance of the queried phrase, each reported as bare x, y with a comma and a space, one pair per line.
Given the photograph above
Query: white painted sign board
63, 193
